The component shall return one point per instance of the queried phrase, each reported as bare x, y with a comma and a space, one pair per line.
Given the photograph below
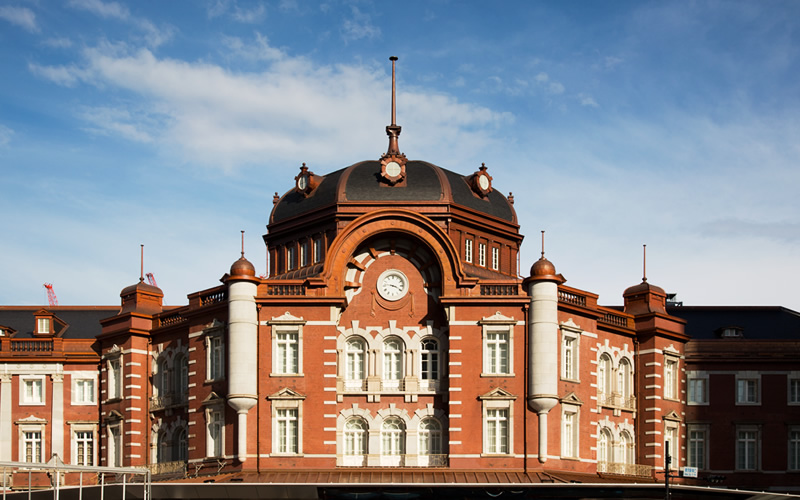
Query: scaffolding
92, 482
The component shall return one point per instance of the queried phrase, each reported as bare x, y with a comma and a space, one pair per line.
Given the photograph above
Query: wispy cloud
103, 9
67, 76
154, 36
359, 26
258, 50
231, 8
21, 16
57, 43
587, 100
5, 135
549, 85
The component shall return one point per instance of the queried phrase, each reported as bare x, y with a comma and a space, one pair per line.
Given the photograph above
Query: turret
242, 341
542, 286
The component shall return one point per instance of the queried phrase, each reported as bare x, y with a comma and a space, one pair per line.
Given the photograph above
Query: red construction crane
51, 295
151, 279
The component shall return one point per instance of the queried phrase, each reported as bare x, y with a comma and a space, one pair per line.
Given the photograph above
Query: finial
243, 238
141, 265
644, 263
393, 130
543, 244
511, 197
276, 198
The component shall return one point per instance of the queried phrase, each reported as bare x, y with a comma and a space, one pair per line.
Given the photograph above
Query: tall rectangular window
216, 357
32, 443
468, 251
569, 434
43, 325
317, 250
83, 391
115, 445
671, 444
496, 353
568, 358
794, 448
747, 391
698, 391
33, 391
114, 368
794, 390
287, 430
496, 431
84, 448
304, 253
291, 258
747, 449
670, 378
482, 254
287, 352
429, 359
697, 441
495, 258
214, 430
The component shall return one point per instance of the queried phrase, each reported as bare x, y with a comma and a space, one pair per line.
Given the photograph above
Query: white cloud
58, 43
587, 100
542, 78
231, 8
62, 75
293, 111
556, 88
102, 9
5, 135
21, 16
359, 26
260, 50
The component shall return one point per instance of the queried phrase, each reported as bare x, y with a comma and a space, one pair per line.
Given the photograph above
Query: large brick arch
398, 221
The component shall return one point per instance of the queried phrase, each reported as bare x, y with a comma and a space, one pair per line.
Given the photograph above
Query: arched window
164, 386
162, 453
605, 444
393, 441
354, 364
625, 449
429, 363
181, 376
392, 363
604, 372
625, 383
355, 442
182, 451
430, 442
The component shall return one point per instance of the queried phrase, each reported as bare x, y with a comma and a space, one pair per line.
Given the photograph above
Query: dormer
48, 324
7, 331
730, 332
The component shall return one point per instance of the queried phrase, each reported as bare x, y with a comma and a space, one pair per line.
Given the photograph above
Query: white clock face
392, 285
302, 182
483, 182
393, 169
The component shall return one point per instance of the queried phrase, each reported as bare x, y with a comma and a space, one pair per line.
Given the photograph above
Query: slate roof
83, 321
362, 183
757, 322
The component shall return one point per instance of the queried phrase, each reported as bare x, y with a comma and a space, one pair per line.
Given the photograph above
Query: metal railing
177, 468
624, 469
167, 401
616, 400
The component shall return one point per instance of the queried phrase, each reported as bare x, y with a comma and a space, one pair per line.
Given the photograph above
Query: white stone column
57, 440
5, 415
242, 356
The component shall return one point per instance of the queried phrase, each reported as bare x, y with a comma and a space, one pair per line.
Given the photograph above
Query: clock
392, 284
302, 182
393, 169
305, 182
482, 182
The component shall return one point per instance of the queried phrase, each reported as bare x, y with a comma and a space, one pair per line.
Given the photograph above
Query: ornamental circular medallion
392, 284
393, 169
483, 182
302, 182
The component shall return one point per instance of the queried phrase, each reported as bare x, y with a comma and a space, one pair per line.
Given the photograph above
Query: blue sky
615, 124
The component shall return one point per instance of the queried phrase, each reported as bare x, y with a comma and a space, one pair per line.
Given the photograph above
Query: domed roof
361, 183
543, 267
242, 268
642, 287
141, 286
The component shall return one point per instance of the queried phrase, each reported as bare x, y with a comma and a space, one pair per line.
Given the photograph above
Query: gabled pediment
7, 331
286, 318
287, 393
32, 420
498, 393
114, 416
497, 319
673, 415
571, 399
213, 399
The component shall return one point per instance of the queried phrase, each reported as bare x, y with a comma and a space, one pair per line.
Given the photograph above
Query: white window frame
29, 427
671, 377
744, 382
605, 378
318, 250
33, 399
89, 428
116, 444
793, 388
482, 254
626, 448
490, 405
430, 440
43, 325
605, 445
430, 369
291, 257
393, 349
114, 376
393, 441
215, 422
624, 377
744, 460
352, 455
215, 356
292, 402
496, 258
570, 431
180, 375
468, 250
287, 431
304, 247
697, 389
793, 457
697, 433
672, 435
570, 361
79, 393
354, 379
